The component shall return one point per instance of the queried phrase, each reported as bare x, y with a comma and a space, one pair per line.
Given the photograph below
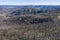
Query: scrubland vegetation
30, 25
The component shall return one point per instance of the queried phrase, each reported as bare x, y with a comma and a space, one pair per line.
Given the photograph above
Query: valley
29, 22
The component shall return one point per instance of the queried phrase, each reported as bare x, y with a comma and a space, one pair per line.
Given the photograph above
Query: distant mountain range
27, 9
31, 6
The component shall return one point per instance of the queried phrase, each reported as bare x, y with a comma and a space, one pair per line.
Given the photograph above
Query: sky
29, 2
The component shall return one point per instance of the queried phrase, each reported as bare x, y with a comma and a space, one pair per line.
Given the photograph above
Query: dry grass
39, 31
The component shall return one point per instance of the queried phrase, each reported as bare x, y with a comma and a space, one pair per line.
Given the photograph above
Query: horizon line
29, 5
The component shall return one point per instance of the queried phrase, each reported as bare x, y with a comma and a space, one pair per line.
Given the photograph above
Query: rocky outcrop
28, 20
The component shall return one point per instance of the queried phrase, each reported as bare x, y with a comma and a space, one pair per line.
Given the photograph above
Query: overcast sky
29, 2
